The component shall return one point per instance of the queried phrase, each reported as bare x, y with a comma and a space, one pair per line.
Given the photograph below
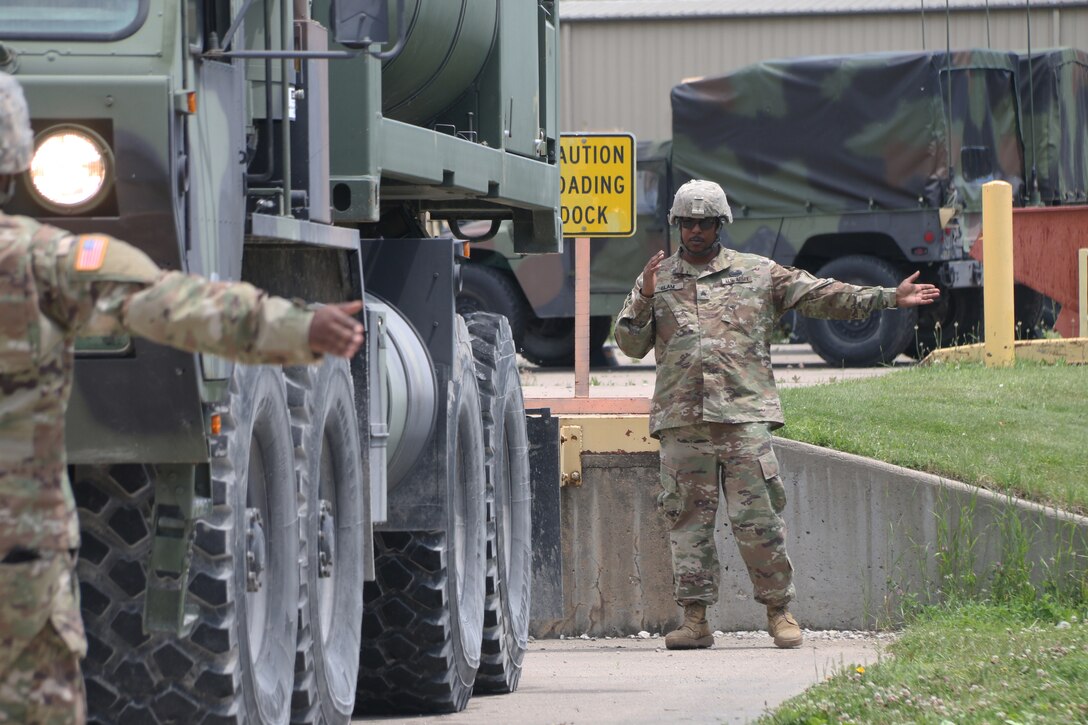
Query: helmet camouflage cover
16, 138
699, 199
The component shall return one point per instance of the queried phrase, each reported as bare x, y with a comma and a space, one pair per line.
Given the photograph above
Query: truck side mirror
977, 163
358, 23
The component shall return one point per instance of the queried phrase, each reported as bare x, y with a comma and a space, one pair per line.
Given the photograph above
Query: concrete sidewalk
639, 681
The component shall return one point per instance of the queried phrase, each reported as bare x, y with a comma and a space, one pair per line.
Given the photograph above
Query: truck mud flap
543, 432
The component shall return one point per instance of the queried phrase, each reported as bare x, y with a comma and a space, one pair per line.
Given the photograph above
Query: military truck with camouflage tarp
864, 168
262, 545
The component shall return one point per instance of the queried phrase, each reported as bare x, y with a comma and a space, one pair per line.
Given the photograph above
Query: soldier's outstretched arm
826, 298
126, 290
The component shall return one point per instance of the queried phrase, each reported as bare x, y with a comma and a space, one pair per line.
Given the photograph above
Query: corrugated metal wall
617, 75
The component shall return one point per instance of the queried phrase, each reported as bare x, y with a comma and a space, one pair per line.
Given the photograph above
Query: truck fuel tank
446, 47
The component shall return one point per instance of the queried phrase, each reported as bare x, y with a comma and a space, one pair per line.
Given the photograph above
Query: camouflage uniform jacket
53, 287
711, 328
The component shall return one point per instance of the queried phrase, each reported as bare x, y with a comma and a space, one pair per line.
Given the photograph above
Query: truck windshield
71, 19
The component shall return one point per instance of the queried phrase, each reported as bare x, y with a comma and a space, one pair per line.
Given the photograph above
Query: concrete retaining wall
863, 536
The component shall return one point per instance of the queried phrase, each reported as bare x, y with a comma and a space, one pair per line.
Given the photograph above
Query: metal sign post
581, 317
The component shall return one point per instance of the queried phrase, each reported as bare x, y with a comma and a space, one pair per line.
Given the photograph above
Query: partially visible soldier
708, 312
53, 287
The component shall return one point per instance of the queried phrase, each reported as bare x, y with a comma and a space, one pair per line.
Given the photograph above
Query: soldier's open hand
649, 273
910, 294
335, 331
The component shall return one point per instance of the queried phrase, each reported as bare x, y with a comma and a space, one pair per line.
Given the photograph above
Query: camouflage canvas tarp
1054, 106
841, 134
986, 140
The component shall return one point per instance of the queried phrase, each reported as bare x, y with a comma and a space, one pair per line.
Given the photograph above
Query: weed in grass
955, 555
1011, 580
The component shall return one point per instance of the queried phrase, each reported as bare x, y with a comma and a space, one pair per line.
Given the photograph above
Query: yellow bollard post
997, 282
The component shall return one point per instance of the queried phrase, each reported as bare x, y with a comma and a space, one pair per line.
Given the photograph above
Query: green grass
966, 663
1020, 430
1009, 652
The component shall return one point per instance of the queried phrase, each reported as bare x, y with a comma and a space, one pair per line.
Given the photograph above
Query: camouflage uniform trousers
695, 460
41, 641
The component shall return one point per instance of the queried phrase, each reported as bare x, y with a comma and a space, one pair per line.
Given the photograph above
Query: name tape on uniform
597, 184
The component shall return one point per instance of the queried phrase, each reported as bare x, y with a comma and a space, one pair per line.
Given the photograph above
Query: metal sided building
620, 58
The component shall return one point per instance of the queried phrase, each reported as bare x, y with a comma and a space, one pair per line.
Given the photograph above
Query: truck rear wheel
877, 339
509, 497
549, 341
423, 615
331, 590
487, 289
236, 665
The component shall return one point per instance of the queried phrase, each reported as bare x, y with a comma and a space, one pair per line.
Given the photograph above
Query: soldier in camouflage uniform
708, 313
53, 287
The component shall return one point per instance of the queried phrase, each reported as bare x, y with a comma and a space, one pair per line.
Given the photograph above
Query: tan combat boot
783, 627
694, 633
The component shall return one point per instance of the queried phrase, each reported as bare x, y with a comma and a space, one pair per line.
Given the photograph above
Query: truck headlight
71, 169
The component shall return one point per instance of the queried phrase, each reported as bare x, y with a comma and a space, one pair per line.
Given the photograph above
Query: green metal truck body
231, 515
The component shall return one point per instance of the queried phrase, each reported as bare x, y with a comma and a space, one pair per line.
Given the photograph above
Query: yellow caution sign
597, 184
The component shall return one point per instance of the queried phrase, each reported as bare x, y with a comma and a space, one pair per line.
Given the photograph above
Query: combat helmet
699, 199
16, 138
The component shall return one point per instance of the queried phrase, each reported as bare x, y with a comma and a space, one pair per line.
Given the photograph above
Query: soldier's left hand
334, 330
910, 294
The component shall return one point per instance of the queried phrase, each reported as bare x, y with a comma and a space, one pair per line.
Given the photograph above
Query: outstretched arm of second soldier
831, 299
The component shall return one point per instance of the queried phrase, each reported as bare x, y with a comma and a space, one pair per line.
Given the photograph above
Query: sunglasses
704, 224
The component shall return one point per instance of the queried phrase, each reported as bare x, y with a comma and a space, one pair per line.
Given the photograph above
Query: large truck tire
423, 615
509, 501
879, 338
487, 289
549, 341
237, 663
322, 401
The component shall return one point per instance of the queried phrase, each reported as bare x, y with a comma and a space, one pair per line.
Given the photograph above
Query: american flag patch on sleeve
91, 253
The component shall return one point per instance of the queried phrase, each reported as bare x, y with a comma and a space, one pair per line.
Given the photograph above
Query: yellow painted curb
1069, 350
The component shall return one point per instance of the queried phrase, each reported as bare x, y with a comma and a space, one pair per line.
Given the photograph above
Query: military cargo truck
864, 168
262, 545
